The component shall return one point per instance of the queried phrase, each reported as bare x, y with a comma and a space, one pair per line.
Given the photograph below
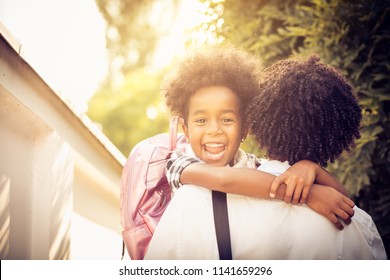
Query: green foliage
134, 28
131, 112
128, 106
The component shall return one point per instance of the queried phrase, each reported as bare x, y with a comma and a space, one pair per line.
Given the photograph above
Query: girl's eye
227, 120
200, 120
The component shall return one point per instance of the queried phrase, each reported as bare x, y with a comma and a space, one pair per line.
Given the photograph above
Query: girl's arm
325, 178
299, 178
244, 181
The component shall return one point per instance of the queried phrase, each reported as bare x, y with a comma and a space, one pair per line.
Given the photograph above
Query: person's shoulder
253, 160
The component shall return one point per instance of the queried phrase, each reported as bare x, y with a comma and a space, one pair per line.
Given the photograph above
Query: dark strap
123, 249
221, 222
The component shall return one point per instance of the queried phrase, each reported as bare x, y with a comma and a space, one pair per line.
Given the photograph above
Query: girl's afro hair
212, 66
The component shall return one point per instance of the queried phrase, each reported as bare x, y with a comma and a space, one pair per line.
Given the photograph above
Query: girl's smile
214, 151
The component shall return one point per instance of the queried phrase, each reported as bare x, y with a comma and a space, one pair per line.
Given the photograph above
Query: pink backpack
145, 192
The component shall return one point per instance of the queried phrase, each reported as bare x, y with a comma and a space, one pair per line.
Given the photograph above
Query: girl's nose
214, 128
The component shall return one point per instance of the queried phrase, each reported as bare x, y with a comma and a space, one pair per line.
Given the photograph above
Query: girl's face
214, 126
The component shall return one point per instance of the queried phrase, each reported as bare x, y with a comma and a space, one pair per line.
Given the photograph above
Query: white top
260, 229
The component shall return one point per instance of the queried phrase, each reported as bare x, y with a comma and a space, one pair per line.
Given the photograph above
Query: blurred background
107, 59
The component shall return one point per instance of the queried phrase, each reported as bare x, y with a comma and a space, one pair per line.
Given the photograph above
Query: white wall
59, 175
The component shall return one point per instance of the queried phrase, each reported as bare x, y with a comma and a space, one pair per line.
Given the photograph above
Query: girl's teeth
215, 156
215, 151
214, 145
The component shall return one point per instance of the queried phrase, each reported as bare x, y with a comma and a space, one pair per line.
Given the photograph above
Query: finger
275, 185
289, 193
298, 191
348, 209
291, 184
336, 222
339, 225
349, 201
344, 216
305, 193
296, 196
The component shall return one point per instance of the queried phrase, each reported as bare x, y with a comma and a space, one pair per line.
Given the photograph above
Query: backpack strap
123, 249
221, 222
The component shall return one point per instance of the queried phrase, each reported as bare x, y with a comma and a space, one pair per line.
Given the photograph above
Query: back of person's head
305, 110
212, 66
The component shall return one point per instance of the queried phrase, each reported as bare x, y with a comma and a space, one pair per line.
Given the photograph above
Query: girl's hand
298, 180
331, 204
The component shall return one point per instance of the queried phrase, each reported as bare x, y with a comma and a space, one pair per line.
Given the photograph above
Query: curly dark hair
305, 110
212, 66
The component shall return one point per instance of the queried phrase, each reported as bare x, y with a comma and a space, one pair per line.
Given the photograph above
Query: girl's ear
244, 134
184, 128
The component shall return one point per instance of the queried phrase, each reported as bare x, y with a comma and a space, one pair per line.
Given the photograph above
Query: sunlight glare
151, 112
174, 45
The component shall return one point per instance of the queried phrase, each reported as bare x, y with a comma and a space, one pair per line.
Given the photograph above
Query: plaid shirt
179, 161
